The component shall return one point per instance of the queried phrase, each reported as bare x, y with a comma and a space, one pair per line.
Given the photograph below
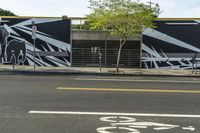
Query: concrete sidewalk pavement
7, 69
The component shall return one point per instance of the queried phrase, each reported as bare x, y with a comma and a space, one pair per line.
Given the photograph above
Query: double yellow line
129, 90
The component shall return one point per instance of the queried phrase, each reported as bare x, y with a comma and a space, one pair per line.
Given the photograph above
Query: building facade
171, 45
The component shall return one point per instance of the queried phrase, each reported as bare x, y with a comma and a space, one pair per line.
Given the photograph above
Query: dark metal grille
85, 57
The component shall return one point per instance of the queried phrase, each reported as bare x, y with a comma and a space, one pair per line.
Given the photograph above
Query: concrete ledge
70, 73
28, 70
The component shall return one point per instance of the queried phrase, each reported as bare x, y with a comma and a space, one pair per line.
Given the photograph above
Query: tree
123, 18
85, 26
6, 13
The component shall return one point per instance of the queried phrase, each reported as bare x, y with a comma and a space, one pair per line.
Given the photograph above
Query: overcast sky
79, 8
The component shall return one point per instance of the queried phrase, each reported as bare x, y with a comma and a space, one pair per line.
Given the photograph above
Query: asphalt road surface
89, 104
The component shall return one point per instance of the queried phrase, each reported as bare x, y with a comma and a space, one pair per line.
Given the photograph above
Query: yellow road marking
128, 90
137, 80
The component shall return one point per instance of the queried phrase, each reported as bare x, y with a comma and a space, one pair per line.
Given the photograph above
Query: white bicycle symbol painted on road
130, 125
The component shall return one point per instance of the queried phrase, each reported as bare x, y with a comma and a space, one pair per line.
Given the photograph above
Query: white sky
79, 8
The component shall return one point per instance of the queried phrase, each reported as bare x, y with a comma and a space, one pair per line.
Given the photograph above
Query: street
94, 104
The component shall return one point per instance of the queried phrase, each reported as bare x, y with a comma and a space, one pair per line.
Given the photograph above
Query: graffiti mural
53, 42
171, 45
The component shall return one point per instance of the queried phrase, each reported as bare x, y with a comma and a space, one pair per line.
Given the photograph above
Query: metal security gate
87, 57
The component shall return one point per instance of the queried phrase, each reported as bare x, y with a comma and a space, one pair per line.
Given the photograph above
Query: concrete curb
66, 73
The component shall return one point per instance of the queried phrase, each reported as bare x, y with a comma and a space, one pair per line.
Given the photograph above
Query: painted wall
171, 45
53, 43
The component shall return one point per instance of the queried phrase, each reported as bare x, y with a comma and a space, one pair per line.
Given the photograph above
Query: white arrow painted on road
158, 126
191, 128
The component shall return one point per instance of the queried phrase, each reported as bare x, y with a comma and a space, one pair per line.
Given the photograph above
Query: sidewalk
7, 69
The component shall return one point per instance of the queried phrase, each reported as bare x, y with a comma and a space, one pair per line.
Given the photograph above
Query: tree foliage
85, 26
6, 13
123, 18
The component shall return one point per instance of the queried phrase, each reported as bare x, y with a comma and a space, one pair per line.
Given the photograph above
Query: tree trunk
118, 58
122, 42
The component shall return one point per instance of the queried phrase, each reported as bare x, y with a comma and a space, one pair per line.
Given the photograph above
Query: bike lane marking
127, 123
131, 125
137, 80
115, 114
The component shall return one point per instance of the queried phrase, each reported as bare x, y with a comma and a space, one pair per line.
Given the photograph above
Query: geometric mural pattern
52, 47
171, 45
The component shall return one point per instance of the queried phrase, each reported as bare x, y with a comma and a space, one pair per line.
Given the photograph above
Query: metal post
93, 54
151, 64
129, 57
100, 57
34, 30
34, 52
192, 67
71, 44
13, 59
196, 67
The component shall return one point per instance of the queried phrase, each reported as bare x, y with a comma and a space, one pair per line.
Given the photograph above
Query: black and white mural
172, 45
52, 44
